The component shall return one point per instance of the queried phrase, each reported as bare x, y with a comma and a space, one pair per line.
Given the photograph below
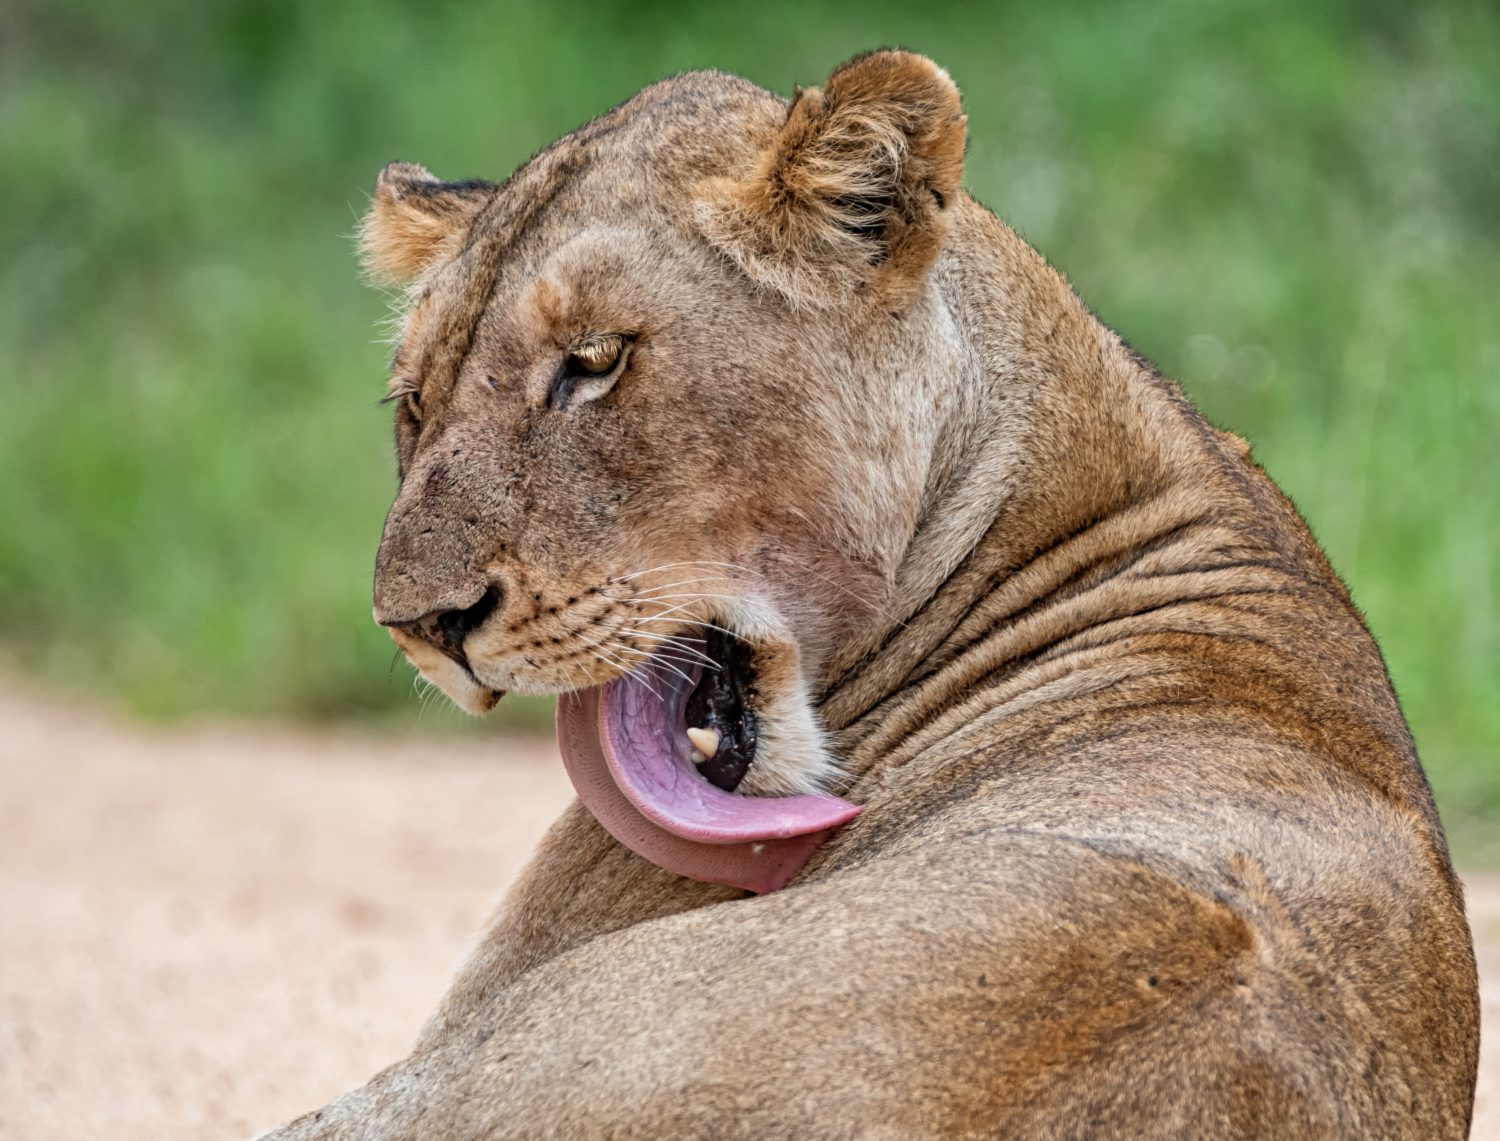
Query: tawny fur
1146, 849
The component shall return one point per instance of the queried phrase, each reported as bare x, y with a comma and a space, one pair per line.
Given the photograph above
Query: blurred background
1293, 208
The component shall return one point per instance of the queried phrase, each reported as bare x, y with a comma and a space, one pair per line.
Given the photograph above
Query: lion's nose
447, 629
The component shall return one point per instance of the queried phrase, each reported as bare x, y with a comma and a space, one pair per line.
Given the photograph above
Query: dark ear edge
855, 189
415, 220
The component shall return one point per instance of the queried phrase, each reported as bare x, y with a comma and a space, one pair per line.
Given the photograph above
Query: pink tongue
626, 751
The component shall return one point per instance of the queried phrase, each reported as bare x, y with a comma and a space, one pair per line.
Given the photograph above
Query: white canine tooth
706, 741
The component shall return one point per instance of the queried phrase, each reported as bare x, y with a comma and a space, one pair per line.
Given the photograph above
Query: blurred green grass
1294, 209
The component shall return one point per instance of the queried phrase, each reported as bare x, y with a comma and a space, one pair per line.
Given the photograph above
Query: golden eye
597, 355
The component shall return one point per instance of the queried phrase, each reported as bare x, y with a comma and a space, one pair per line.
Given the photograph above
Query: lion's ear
855, 189
415, 219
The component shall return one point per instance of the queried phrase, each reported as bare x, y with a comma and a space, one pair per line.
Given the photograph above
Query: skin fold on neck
1081, 466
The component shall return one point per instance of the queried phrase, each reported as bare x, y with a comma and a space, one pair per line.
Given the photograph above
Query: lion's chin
450, 677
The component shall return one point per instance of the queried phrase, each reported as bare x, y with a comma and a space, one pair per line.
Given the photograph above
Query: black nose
447, 629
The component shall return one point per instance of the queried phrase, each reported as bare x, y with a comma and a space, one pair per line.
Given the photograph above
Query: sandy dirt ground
206, 932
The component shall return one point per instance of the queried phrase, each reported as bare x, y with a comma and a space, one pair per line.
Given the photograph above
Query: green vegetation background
1293, 208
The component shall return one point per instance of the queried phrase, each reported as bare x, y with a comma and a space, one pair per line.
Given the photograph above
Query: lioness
1043, 780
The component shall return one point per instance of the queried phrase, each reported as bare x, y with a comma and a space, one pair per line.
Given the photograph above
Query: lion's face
650, 411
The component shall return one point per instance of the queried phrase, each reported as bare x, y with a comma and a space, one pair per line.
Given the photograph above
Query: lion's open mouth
720, 713
669, 796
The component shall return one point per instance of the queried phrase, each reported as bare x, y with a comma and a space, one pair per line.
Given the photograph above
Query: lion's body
1146, 850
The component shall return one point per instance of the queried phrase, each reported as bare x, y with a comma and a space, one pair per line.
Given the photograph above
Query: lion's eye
590, 370
405, 396
596, 356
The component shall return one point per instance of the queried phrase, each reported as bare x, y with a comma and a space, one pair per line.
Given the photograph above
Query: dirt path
204, 933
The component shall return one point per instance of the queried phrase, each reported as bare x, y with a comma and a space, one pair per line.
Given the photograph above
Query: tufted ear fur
854, 191
415, 220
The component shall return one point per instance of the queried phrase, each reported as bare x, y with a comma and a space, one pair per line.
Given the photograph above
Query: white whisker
673, 642
608, 634
650, 658
685, 563
685, 663
694, 597
650, 590
685, 622
603, 649
626, 671
684, 654
670, 610
574, 672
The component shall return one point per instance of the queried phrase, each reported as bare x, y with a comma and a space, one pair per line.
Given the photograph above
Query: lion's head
667, 395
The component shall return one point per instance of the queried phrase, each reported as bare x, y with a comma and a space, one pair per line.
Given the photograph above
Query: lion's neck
1079, 465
